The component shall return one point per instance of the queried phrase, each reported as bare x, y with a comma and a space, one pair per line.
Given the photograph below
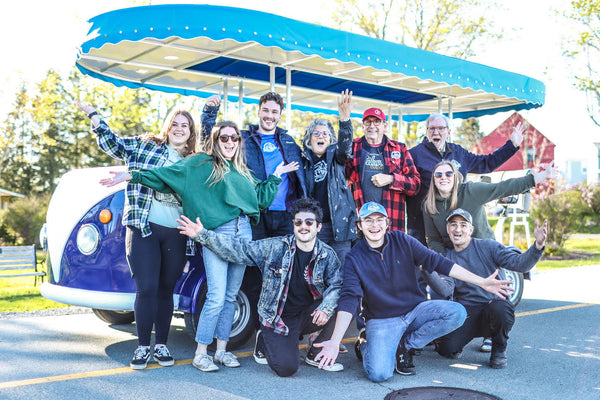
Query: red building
536, 149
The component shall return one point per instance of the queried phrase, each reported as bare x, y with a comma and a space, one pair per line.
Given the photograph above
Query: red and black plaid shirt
399, 163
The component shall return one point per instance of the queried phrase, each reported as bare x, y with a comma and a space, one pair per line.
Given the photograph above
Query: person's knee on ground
283, 369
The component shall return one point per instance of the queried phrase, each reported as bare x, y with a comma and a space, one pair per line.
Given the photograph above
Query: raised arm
228, 247
345, 131
209, 115
490, 284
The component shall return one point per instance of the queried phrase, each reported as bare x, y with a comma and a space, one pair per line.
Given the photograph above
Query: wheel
243, 319
115, 317
517, 279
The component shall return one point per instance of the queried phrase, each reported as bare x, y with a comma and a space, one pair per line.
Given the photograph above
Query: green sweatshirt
216, 204
471, 196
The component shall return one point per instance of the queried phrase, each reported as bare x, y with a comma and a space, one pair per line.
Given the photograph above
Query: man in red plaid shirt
382, 170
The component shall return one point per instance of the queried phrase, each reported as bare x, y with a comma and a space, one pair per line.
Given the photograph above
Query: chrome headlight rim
88, 239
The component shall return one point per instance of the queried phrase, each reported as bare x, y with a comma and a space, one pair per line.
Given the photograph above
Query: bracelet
90, 115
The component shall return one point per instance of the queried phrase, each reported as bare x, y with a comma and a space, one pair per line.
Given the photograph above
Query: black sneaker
141, 355
362, 337
162, 356
404, 361
498, 359
259, 357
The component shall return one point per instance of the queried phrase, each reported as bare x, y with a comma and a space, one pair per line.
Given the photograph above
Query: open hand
118, 177
87, 109
328, 354
285, 168
189, 228
345, 104
540, 233
498, 287
517, 134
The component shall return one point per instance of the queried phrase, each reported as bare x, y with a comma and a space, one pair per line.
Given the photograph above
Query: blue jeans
427, 321
224, 280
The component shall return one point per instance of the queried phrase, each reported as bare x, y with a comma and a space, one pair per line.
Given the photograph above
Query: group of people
255, 198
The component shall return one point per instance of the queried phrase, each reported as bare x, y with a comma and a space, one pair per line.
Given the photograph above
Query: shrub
23, 220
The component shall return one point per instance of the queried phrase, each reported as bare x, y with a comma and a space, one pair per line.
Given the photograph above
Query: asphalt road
554, 353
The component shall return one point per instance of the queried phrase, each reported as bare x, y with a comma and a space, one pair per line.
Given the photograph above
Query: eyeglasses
433, 129
374, 221
369, 122
440, 174
320, 134
225, 138
307, 221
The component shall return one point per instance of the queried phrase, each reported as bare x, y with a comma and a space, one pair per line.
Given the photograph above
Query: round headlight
88, 238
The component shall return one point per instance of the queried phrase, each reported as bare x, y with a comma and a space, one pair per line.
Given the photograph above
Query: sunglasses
308, 222
225, 138
440, 174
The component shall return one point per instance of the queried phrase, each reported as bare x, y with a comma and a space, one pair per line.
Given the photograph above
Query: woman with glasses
150, 227
216, 186
325, 157
448, 192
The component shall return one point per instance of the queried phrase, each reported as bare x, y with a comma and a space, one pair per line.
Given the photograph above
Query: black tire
518, 284
243, 321
115, 317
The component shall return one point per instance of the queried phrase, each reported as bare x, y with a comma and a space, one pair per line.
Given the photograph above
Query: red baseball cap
374, 112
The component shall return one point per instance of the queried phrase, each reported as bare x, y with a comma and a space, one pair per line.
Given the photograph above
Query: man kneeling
301, 285
487, 315
382, 270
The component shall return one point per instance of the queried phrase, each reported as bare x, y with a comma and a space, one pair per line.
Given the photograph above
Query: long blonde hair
429, 202
220, 167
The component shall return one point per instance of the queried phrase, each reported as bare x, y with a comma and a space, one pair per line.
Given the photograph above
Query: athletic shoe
141, 355
162, 356
331, 368
498, 359
404, 361
259, 357
362, 337
226, 359
204, 363
486, 346
343, 349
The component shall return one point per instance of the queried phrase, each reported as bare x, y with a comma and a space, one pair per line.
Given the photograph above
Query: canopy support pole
240, 104
272, 77
225, 99
440, 105
288, 98
450, 112
390, 120
400, 125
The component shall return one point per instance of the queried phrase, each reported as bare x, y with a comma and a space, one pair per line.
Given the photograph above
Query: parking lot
554, 353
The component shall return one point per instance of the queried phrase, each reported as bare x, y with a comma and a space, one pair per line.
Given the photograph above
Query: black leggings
156, 263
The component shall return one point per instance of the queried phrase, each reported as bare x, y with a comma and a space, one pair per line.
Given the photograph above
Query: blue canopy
195, 49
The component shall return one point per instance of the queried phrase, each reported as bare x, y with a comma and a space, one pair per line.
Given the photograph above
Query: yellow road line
114, 371
547, 310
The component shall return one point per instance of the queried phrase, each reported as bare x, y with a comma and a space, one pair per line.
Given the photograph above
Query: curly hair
306, 204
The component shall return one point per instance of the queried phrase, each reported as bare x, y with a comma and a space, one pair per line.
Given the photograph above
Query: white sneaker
204, 363
330, 368
227, 359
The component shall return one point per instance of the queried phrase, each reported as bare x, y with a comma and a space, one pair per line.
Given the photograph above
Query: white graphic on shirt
374, 161
167, 199
320, 171
269, 147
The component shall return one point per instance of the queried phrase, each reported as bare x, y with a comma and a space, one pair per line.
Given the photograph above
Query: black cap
463, 213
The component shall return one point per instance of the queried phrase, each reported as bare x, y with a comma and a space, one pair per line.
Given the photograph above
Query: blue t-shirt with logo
273, 157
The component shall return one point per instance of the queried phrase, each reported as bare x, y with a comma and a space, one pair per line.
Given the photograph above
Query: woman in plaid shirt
156, 252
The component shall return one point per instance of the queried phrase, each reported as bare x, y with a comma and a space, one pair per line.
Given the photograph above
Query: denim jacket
274, 257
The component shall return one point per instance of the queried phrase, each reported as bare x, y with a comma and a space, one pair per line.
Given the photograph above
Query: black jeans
156, 262
494, 319
283, 355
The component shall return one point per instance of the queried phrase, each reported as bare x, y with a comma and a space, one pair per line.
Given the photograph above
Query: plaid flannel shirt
399, 163
138, 154
278, 324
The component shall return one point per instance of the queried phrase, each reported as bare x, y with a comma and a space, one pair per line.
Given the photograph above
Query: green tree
451, 27
584, 47
468, 133
24, 218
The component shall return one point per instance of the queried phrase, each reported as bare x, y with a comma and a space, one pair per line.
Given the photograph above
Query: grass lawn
20, 294
580, 252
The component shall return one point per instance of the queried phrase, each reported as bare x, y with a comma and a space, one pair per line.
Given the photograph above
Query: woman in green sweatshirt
447, 192
216, 186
